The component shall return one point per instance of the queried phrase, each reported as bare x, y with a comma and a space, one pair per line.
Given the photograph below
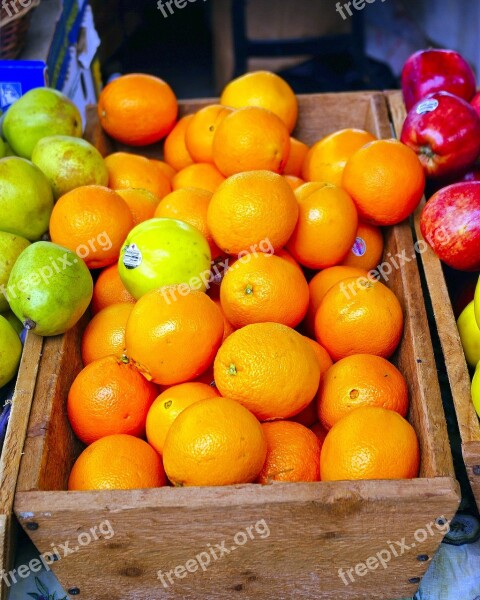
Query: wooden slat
13, 445
457, 369
315, 528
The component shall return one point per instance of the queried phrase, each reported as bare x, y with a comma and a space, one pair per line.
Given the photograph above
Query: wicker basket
14, 23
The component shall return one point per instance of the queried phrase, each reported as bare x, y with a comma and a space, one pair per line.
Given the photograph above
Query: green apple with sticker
161, 253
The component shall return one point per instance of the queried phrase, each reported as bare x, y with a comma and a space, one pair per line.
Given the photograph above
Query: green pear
26, 198
8, 150
69, 162
14, 322
39, 113
11, 246
49, 288
10, 352
3, 149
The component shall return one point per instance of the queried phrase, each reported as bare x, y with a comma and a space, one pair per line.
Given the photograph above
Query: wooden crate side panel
457, 369
310, 532
50, 446
13, 447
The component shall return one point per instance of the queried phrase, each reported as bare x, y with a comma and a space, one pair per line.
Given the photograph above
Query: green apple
39, 113
476, 302
10, 351
11, 246
26, 198
476, 390
69, 162
164, 252
469, 334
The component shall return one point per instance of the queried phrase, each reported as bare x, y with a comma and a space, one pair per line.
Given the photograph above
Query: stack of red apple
443, 127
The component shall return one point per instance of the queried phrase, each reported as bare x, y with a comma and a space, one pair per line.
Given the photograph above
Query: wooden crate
457, 368
315, 528
12, 450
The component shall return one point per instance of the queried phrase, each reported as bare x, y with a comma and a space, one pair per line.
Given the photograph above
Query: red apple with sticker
444, 131
450, 224
436, 70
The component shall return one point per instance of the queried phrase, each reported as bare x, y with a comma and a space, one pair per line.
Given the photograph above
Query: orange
307, 188
117, 462
137, 109
142, 203
386, 181
298, 152
199, 175
320, 432
327, 158
201, 131
293, 182
263, 287
269, 368
309, 415
370, 443
173, 336
323, 357
359, 316
228, 328
293, 453
133, 171
285, 254
252, 211
367, 250
190, 205
109, 396
109, 289
326, 228
215, 441
169, 405
175, 150
105, 334
319, 286
265, 89
249, 139
93, 221
360, 380
164, 168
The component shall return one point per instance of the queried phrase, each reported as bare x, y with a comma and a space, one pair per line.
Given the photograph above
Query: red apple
476, 103
450, 224
444, 131
429, 71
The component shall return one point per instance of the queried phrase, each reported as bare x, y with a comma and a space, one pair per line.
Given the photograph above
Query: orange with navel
360, 380
142, 203
109, 289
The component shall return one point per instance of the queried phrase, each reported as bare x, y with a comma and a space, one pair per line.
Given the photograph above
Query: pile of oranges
280, 371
